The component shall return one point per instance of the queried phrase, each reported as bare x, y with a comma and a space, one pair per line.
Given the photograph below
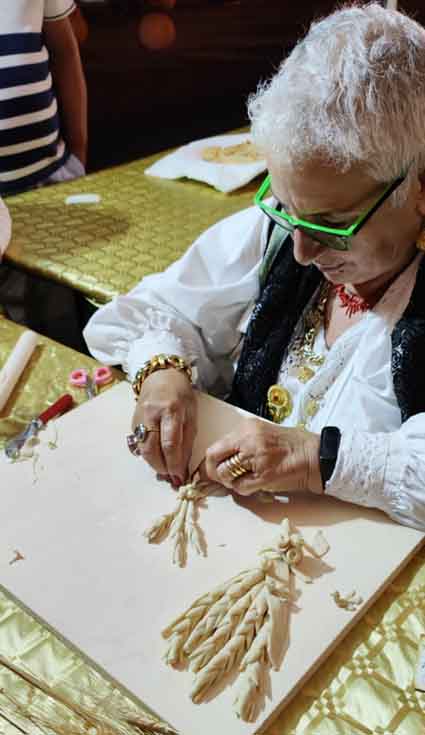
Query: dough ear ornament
181, 526
243, 625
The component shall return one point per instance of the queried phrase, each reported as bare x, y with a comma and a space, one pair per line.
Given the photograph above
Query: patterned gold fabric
366, 686
44, 379
141, 225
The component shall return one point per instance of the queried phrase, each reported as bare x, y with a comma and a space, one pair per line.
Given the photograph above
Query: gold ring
235, 466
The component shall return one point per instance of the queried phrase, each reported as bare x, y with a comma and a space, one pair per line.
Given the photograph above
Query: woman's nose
305, 249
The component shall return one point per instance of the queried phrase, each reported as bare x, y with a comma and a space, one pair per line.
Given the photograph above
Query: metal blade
13, 446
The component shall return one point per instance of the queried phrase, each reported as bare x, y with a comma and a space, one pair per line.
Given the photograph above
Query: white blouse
199, 308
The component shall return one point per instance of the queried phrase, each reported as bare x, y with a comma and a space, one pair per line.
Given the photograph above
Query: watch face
330, 439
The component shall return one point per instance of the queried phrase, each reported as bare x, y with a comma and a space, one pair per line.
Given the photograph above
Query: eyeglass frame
345, 234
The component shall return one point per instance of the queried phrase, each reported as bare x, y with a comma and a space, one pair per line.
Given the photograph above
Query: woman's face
384, 245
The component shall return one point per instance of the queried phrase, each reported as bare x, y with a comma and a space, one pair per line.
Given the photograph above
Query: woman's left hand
279, 459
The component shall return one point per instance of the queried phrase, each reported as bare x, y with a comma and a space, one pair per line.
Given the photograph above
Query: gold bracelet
159, 362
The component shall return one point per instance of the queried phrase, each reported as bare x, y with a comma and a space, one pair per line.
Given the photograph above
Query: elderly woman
308, 309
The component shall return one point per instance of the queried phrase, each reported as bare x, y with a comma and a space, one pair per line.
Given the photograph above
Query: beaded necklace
350, 302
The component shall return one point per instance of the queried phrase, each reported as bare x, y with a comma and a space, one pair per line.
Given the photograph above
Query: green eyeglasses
333, 237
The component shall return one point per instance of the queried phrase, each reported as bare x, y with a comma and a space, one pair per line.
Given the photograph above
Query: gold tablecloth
141, 226
364, 688
43, 381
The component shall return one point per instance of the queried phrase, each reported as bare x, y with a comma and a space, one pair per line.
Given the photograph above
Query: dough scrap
350, 602
234, 154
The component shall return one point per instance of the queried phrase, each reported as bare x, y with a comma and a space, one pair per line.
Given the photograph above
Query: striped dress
31, 148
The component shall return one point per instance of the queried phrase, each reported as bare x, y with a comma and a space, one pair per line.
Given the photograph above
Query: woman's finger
223, 475
216, 455
172, 430
189, 433
231, 470
150, 450
248, 484
201, 472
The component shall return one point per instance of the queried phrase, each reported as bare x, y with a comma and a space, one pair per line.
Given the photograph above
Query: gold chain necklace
304, 359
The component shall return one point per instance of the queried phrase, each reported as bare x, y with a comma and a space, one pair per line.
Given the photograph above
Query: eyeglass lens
331, 241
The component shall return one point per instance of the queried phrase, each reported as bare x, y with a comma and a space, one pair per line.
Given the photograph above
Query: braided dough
181, 526
242, 625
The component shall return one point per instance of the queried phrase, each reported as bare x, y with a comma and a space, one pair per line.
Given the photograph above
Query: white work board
91, 575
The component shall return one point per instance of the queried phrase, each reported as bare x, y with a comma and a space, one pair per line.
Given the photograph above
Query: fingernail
164, 478
176, 481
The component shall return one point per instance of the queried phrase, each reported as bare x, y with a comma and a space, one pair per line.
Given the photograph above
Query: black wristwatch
330, 439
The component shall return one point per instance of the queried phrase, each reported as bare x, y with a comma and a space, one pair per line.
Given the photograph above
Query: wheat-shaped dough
242, 625
181, 526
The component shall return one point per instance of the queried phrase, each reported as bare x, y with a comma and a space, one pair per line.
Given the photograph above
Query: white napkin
187, 162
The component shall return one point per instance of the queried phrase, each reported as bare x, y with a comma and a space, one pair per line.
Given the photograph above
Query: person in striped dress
43, 140
40, 70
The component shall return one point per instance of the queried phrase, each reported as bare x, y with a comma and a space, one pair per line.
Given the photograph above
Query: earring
420, 242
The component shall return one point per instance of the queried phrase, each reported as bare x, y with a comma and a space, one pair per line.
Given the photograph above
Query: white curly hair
351, 92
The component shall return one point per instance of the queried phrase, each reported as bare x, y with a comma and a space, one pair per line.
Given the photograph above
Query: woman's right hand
167, 403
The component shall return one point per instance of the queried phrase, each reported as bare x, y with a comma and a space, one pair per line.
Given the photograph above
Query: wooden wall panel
141, 100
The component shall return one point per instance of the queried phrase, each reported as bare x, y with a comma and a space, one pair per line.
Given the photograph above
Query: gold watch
159, 362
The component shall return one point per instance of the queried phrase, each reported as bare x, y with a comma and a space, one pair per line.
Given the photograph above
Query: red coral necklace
352, 303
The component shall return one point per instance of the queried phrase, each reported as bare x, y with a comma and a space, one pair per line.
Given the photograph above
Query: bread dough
234, 154
242, 625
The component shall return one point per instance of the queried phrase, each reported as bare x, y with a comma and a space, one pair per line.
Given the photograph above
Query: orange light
156, 31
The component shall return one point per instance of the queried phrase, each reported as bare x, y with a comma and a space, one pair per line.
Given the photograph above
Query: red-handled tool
13, 446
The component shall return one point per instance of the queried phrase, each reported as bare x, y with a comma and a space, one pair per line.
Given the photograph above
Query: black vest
285, 292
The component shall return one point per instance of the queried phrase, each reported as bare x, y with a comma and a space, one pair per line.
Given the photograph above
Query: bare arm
70, 84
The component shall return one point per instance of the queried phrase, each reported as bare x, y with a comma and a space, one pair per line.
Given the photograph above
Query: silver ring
137, 437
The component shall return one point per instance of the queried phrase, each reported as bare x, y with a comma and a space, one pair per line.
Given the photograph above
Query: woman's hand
279, 459
167, 404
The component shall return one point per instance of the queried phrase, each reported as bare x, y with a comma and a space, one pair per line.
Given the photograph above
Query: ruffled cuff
360, 471
153, 343
401, 476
